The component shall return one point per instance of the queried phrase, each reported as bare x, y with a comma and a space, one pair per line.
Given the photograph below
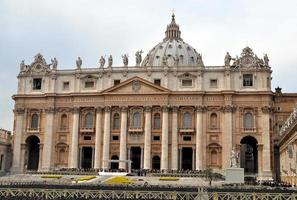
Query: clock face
247, 61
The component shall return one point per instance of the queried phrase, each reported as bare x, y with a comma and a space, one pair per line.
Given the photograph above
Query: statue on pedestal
102, 62
234, 158
54, 63
125, 59
266, 60
78, 63
227, 59
110, 61
22, 66
138, 57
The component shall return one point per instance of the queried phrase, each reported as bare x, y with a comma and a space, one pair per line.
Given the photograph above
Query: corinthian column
164, 153
74, 139
106, 137
98, 138
266, 142
47, 156
227, 135
199, 138
123, 138
147, 138
17, 137
174, 145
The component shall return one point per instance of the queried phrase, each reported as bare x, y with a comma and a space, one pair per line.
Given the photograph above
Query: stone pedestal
234, 175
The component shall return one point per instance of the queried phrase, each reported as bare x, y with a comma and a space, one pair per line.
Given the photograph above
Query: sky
66, 29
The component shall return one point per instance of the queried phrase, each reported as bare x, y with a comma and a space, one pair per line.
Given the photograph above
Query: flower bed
52, 176
168, 179
119, 180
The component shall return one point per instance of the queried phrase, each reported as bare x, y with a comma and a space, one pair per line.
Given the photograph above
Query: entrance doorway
249, 154
156, 163
136, 157
114, 165
187, 158
32, 143
86, 159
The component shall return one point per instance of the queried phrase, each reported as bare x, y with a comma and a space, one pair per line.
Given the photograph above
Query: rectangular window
157, 82
248, 80
66, 85
87, 137
156, 138
115, 137
187, 82
187, 138
213, 83
89, 84
37, 83
116, 82
1, 161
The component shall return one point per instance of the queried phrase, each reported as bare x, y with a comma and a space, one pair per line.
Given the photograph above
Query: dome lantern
172, 31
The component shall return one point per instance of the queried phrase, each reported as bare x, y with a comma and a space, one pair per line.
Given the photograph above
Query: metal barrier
201, 194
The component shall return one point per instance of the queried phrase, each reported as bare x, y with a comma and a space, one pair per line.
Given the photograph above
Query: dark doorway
249, 155
33, 152
187, 158
114, 165
156, 163
86, 159
136, 157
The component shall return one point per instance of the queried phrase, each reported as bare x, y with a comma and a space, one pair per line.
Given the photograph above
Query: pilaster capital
75, 110
228, 108
49, 110
147, 109
165, 108
200, 108
107, 109
174, 109
19, 111
99, 109
124, 108
266, 109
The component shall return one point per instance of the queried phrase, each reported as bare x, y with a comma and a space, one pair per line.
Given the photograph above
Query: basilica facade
167, 111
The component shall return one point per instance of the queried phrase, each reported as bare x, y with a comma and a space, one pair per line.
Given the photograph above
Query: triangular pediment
136, 85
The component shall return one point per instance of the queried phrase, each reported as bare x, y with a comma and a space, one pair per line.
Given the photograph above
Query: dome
173, 51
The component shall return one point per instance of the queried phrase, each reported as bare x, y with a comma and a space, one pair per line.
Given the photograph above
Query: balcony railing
87, 130
249, 129
187, 131
135, 130
33, 130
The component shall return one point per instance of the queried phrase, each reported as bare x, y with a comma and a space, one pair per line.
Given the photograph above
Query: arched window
157, 121
136, 120
64, 122
116, 121
34, 121
214, 157
89, 120
248, 121
187, 120
213, 121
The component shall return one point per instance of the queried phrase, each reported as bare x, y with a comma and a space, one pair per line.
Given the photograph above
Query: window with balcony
116, 121
157, 121
248, 121
187, 120
89, 120
34, 121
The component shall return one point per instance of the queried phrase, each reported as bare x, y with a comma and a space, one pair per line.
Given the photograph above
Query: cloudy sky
90, 28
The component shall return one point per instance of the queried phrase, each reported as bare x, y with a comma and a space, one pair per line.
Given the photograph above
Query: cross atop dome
172, 31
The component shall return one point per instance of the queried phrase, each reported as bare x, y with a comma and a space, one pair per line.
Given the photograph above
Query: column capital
75, 110
99, 109
174, 108
147, 109
49, 110
165, 108
228, 108
124, 108
107, 108
19, 111
266, 109
200, 108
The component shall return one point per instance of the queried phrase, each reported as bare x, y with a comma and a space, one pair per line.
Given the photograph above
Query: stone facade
170, 111
288, 150
5, 151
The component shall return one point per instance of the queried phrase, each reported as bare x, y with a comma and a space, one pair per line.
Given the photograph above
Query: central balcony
187, 131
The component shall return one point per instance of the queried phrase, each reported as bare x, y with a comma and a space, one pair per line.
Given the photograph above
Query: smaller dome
173, 51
